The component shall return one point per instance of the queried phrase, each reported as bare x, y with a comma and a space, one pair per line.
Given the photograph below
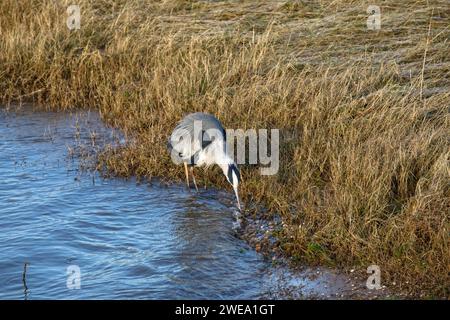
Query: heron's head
234, 177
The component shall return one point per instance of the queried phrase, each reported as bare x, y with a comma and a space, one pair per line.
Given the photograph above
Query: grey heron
199, 139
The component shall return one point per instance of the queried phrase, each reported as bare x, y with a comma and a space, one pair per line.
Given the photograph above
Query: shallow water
130, 241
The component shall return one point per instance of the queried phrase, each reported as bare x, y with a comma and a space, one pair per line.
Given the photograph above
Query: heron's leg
187, 174
193, 178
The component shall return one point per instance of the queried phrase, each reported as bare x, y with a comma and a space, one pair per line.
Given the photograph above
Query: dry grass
364, 175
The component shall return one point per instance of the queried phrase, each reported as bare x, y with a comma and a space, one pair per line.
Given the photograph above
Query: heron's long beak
235, 188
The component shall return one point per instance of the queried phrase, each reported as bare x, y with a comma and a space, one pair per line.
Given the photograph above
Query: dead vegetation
364, 114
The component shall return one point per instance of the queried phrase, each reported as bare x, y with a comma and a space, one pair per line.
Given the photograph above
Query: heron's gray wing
182, 139
189, 141
207, 121
207, 139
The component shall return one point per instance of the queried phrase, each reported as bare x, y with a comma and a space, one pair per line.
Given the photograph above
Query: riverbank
166, 242
363, 113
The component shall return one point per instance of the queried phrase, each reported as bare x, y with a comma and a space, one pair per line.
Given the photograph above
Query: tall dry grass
364, 115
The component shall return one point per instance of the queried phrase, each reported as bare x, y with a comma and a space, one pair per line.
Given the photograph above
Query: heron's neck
223, 160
